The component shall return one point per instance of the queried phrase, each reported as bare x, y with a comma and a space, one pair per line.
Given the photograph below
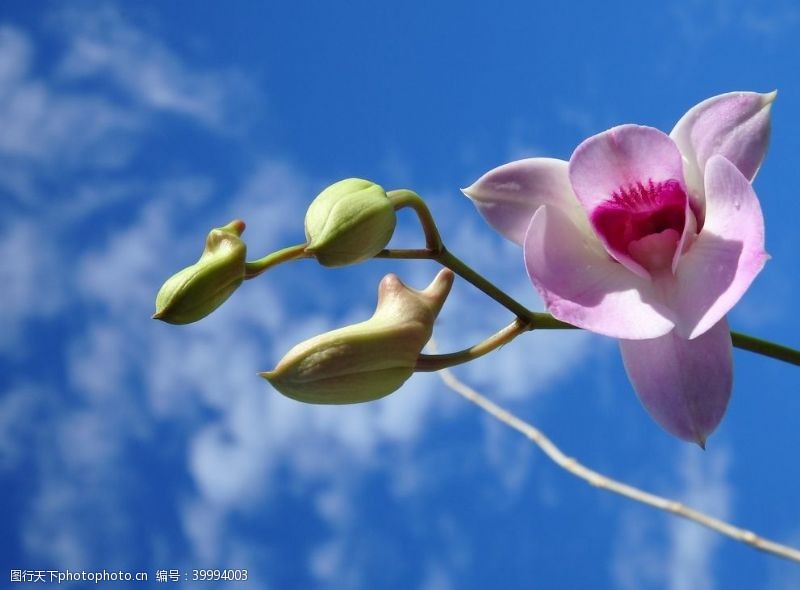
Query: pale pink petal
735, 125
621, 157
509, 195
727, 255
581, 285
684, 384
624, 176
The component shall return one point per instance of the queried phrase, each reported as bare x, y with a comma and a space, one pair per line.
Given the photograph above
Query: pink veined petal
727, 255
684, 384
509, 195
636, 171
581, 285
735, 125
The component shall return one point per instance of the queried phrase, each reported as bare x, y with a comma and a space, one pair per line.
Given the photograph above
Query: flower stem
545, 321
531, 320
407, 198
535, 319
437, 362
766, 348
256, 267
445, 258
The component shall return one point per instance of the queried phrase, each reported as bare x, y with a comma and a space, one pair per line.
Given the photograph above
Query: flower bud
350, 221
365, 361
199, 289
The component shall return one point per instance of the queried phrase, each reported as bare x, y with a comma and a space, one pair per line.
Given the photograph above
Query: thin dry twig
601, 481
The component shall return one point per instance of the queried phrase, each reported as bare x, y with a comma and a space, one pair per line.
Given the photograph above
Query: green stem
437, 362
531, 320
537, 320
545, 321
766, 348
406, 198
455, 264
399, 254
256, 267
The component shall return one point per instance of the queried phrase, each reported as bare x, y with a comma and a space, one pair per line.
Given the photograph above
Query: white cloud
56, 128
31, 279
21, 409
785, 575
511, 455
51, 531
701, 21
102, 44
436, 578
229, 471
692, 547
327, 561
272, 199
15, 55
122, 274
46, 126
639, 561
77, 499
680, 556
205, 526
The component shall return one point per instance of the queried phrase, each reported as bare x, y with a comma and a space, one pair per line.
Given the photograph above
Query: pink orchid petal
735, 125
684, 384
509, 195
621, 157
727, 255
688, 235
581, 285
624, 167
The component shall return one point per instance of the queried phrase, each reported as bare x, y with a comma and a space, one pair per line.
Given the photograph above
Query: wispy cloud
700, 21
692, 547
679, 556
49, 129
29, 268
102, 44
785, 575
87, 113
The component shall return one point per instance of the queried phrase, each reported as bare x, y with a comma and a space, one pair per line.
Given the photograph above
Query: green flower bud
369, 360
199, 289
350, 221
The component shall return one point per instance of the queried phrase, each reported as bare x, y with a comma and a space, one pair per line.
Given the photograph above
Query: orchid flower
649, 238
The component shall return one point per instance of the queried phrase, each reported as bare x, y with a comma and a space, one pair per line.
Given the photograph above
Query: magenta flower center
644, 222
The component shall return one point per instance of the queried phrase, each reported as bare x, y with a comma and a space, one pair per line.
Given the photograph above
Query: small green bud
365, 361
199, 289
350, 221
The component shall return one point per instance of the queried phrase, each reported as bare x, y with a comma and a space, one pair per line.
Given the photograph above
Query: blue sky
127, 130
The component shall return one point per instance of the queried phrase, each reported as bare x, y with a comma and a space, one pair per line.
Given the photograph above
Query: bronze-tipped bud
368, 360
199, 289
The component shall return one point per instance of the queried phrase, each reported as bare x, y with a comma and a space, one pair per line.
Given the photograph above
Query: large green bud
199, 289
350, 221
365, 361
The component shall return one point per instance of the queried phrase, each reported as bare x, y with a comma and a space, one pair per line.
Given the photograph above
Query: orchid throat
645, 222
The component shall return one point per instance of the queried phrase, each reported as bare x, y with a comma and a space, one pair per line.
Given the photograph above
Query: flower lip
629, 181
644, 221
